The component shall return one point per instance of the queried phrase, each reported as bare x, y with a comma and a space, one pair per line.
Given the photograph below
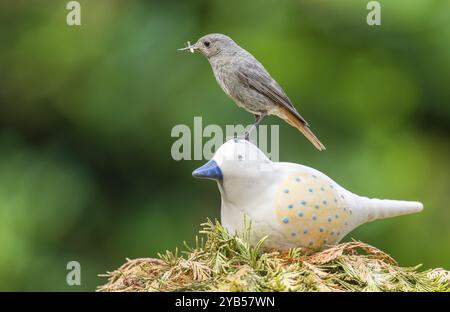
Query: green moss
220, 261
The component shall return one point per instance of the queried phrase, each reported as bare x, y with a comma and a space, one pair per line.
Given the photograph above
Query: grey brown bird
243, 78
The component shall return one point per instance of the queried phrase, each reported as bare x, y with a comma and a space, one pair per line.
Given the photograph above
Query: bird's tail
302, 126
375, 208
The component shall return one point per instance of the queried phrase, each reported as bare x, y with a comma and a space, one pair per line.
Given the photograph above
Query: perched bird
248, 83
292, 204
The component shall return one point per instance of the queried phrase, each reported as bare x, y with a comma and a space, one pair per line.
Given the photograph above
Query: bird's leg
258, 119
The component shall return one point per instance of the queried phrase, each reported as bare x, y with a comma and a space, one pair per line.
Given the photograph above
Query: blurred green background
86, 115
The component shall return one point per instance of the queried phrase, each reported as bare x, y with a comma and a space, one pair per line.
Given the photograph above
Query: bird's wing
255, 76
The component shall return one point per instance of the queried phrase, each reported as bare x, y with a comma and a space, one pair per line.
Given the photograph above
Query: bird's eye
207, 43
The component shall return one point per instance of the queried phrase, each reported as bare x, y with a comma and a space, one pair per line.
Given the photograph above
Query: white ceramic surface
294, 205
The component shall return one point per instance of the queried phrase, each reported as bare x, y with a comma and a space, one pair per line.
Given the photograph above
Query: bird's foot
245, 136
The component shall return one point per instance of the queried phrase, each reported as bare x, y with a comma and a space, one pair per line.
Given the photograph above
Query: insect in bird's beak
189, 47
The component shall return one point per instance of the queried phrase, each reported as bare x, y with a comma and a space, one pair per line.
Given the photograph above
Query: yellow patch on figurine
311, 210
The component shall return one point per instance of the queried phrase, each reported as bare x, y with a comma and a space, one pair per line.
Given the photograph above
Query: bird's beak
210, 170
189, 47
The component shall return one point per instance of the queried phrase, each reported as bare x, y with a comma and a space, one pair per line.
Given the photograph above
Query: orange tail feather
303, 127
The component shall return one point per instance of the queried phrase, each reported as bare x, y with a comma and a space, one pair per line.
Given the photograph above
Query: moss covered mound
224, 262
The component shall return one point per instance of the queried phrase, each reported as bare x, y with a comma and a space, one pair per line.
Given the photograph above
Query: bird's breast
223, 74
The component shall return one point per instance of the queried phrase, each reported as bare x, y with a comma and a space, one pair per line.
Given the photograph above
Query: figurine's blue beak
210, 170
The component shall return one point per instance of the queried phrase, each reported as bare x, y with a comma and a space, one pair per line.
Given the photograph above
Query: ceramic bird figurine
292, 204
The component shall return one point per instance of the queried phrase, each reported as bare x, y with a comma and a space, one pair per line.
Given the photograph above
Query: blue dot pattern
322, 217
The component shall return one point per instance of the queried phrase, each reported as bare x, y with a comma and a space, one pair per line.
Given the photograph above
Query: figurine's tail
386, 208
